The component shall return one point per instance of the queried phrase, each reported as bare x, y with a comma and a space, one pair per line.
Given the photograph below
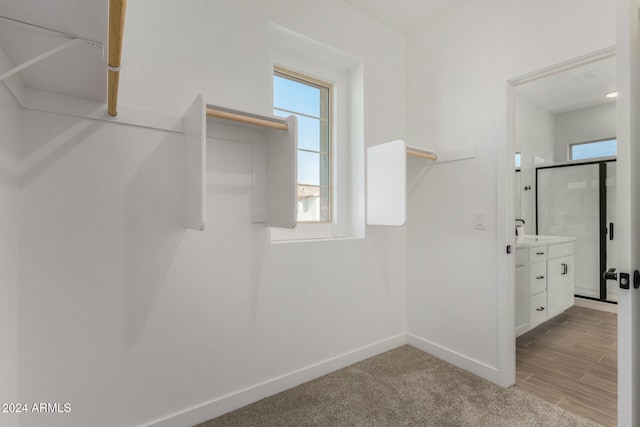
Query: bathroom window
518, 161
308, 99
593, 149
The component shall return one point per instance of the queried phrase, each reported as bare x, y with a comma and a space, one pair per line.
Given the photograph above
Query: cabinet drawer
522, 256
537, 277
562, 249
537, 254
537, 309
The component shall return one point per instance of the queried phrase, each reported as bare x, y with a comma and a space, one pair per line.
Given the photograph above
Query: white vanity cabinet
544, 280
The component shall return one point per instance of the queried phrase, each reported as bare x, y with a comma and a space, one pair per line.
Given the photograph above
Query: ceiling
573, 89
404, 16
76, 71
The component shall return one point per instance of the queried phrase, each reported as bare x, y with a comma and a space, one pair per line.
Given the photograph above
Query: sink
532, 240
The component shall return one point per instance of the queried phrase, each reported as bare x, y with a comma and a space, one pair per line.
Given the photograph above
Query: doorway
556, 196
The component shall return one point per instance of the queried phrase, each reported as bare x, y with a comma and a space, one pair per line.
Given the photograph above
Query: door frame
506, 215
628, 57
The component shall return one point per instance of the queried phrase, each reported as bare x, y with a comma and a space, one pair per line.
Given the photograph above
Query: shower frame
602, 203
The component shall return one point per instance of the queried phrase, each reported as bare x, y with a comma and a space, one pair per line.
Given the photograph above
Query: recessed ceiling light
612, 94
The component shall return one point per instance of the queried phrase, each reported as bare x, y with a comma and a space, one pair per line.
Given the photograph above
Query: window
518, 161
308, 99
593, 149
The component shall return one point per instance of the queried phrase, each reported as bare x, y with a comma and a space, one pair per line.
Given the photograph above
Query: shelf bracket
39, 58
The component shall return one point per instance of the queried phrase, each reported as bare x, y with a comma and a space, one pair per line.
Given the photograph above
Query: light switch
478, 219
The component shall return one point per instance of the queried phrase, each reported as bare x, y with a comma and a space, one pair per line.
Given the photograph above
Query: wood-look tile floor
571, 361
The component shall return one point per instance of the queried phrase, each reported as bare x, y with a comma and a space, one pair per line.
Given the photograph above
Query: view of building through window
591, 150
308, 100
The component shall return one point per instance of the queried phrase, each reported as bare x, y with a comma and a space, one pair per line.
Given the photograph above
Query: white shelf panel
387, 178
274, 162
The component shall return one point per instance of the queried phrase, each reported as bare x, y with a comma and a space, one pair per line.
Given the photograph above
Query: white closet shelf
274, 160
387, 178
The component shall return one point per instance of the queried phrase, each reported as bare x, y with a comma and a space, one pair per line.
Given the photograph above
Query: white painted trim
596, 305
506, 216
240, 398
476, 367
628, 133
89, 109
506, 266
596, 56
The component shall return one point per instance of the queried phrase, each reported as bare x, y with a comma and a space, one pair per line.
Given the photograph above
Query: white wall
10, 123
534, 128
458, 68
586, 124
129, 317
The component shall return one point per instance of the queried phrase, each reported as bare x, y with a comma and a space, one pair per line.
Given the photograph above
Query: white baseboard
480, 369
241, 398
596, 305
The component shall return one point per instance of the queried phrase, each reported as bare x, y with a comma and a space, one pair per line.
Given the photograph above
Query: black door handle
610, 231
610, 274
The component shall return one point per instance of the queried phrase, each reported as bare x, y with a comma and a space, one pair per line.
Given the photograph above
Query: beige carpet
403, 387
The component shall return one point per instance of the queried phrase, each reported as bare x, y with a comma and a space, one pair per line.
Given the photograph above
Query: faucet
519, 228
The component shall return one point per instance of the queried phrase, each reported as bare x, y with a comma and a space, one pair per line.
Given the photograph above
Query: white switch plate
478, 221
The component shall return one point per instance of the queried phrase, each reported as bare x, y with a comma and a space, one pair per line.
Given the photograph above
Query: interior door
628, 233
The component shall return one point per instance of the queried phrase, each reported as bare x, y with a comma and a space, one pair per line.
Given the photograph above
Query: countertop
529, 241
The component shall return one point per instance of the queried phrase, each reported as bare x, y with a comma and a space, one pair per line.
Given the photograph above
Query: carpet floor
402, 387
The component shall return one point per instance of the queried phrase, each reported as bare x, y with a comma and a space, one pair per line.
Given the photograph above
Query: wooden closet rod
212, 112
424, 155
117, 10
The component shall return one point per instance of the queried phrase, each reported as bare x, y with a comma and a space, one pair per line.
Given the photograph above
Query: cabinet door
555, 276
559, 285
522, 299
568, 289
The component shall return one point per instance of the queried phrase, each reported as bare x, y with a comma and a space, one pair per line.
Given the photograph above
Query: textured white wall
131, 318
10, 125
586, 124
534, 129
458, 68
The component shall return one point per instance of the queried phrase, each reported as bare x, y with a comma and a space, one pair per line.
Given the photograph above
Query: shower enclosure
580, 200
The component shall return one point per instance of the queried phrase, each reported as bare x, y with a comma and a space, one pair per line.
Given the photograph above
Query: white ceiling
404, 16
577, 88
78, 70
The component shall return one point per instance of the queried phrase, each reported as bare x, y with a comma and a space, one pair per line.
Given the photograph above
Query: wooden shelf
275, 154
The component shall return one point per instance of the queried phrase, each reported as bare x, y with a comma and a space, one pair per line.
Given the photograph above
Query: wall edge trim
469, 364
246, 396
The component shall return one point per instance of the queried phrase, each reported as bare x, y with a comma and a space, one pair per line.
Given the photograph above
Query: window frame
574, 144
312, 81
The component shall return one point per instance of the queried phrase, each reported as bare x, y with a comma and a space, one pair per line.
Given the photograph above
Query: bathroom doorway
569, 359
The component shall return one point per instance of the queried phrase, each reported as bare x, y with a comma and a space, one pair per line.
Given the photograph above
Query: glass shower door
568, 204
